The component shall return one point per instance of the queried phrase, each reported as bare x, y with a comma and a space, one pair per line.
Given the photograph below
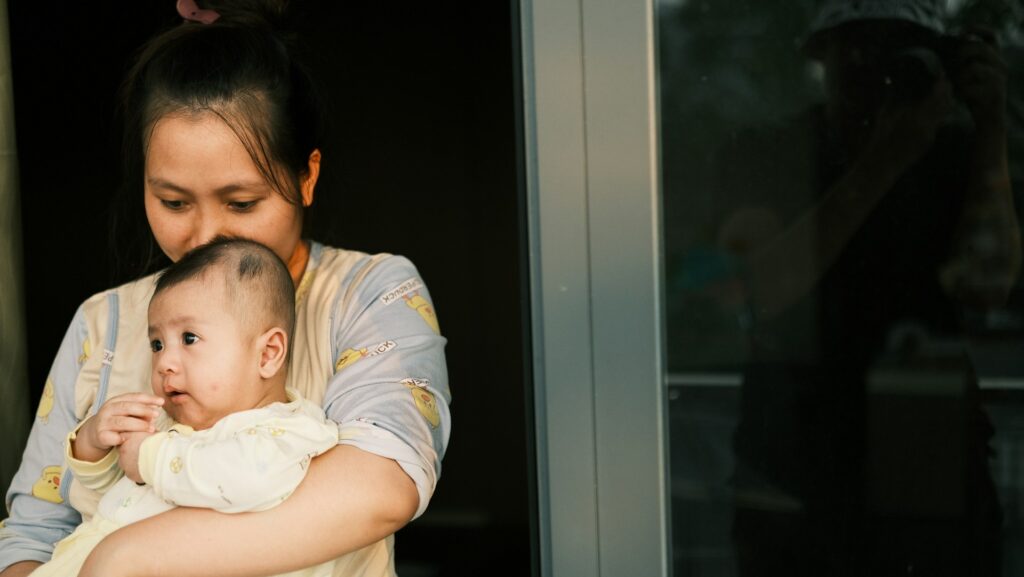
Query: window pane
845, 315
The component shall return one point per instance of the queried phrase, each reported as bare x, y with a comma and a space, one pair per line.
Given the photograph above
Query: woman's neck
297, 262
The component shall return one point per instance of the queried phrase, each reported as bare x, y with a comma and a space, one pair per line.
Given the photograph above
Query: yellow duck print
349, 357
425, 402
45, 402
420, 305
86, 352
47, 487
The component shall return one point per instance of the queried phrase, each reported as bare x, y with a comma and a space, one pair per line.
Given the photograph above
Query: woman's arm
36, 500
20, 569
348, 500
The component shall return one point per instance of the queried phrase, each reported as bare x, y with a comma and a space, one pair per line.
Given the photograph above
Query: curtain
15, 417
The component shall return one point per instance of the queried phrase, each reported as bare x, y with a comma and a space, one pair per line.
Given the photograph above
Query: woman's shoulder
340, 275
128, 295
348, 266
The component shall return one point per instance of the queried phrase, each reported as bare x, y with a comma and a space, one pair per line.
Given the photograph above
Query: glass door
776, 255
845, 320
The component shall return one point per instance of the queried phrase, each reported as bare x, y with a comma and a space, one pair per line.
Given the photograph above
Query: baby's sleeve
97, 476
248, 461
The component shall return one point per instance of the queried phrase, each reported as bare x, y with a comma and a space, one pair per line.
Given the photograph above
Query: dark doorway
422, 161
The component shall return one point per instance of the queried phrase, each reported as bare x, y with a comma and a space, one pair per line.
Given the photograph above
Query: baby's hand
108, 428
128, 454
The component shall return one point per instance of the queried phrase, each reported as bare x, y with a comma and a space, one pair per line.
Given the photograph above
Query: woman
221, 136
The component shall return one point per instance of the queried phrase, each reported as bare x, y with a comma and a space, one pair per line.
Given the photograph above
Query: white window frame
591, 140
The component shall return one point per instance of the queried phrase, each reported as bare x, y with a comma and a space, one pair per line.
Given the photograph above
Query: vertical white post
594, 207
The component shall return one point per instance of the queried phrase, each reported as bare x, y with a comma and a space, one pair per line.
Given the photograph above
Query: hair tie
190, 11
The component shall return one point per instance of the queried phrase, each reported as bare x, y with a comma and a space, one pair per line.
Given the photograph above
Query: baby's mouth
174, 395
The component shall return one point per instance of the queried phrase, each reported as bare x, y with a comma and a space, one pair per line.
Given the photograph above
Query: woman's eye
173, 204
156, 346
242, 206
189, 338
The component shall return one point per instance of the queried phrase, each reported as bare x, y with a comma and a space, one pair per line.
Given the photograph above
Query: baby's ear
273, 347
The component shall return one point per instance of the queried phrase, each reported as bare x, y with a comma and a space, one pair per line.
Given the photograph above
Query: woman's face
200, 182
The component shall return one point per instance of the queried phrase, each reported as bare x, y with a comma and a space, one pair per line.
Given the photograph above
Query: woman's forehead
214, 149
198, 146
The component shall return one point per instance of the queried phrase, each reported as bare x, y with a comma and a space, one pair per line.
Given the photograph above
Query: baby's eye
189, 338
156, 346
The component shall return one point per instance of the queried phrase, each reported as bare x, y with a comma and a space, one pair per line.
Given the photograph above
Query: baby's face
205, 362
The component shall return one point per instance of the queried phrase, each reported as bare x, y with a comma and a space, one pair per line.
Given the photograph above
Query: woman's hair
243, 68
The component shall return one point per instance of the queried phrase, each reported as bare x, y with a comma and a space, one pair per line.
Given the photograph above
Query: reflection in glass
845, 313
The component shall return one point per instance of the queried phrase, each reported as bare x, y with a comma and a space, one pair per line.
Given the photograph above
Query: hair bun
273, 14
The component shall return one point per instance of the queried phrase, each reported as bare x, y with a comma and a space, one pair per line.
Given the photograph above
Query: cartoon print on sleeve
86, 352
45, 402
47, 487
409, 286
420, 305
349, 357
424, 400
409, 291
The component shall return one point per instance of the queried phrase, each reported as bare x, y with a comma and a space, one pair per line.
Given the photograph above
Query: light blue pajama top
367, 346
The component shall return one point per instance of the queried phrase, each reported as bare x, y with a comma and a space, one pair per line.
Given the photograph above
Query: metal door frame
591, 140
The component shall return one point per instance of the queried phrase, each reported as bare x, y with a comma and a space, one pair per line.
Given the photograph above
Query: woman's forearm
348, 500
20, 569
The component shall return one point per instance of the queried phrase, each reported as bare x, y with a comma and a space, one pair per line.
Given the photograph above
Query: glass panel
842, 185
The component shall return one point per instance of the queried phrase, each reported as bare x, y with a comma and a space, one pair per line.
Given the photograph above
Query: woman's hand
109, 427
348, 500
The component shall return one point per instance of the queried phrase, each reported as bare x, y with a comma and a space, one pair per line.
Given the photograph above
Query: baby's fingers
143, 398
121, 406
126, 424
110, 435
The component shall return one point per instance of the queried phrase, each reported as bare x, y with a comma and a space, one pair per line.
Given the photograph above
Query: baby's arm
120, 422
95, 475
248, 461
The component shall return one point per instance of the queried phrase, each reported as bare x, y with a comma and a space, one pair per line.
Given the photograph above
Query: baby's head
220, 323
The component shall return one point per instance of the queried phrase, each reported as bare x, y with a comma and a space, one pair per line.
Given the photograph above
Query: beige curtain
15, 417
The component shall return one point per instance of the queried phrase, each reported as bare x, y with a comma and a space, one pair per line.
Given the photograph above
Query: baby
220, 430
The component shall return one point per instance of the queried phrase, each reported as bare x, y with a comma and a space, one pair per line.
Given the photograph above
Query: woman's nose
205, 228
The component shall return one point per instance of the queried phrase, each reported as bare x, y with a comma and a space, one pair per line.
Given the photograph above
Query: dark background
422, 160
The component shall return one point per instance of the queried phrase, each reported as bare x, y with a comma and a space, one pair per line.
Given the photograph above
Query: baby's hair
256, 281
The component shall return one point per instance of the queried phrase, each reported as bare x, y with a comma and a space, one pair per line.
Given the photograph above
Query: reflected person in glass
868, 228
